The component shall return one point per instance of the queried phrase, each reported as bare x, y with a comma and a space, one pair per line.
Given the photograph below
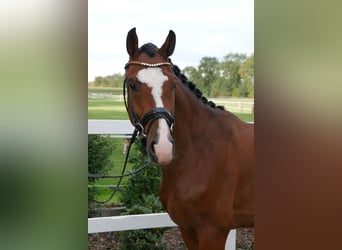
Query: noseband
151, 115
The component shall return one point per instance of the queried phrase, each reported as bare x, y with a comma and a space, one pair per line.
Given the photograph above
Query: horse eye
132, 86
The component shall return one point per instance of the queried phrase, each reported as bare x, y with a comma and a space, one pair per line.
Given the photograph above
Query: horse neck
190, 112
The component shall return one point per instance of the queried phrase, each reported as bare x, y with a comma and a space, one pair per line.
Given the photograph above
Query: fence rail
123, 129
129, 222
114, 128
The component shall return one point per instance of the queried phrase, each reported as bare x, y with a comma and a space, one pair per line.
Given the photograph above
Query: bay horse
206, 153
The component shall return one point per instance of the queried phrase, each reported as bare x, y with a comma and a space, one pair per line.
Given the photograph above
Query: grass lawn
245, 117
115, 109
106, 109
113, 91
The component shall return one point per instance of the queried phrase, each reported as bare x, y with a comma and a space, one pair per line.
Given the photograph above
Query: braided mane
193, 88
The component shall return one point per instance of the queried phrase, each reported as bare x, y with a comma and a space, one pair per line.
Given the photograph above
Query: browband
151, 65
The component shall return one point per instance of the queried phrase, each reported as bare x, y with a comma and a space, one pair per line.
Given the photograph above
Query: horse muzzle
159, 142
161, 149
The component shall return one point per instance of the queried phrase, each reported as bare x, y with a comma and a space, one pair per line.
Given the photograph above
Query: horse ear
169, 45
132, 42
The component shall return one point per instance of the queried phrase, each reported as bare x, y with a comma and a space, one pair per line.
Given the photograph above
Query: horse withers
206, 153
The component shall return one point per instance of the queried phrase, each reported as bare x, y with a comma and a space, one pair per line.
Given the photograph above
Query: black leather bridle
151, 115
139, 125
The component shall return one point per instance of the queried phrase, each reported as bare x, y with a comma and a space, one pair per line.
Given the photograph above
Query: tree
209, 71
246, 72
230, 73
231, 77
98, 81
114, 81
191, 73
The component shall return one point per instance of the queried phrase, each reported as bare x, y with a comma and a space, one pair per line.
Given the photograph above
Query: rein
122, 175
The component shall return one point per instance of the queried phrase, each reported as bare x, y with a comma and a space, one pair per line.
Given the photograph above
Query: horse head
150, 84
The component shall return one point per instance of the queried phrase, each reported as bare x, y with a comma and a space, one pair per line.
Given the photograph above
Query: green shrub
141, 197
143, 183
141, 240
99, 151
147, 238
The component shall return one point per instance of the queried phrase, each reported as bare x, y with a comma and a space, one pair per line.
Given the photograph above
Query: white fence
114, 128
122, 129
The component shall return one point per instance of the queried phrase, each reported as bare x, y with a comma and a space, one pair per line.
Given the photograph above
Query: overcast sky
203, 28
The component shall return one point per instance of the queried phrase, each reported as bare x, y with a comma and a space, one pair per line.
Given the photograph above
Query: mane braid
193, 88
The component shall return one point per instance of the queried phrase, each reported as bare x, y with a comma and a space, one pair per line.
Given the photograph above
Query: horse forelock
149, 48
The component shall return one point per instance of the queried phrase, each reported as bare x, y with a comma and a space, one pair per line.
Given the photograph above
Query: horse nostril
161, 151
152, 151
152, 146
171, 140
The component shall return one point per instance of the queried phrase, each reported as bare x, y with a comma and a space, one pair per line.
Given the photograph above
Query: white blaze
154, 78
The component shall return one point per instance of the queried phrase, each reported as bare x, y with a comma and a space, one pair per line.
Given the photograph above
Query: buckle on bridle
140, 128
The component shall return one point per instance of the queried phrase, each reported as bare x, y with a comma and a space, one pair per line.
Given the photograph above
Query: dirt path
171, 238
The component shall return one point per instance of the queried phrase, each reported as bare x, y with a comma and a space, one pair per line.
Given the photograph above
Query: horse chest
184, 198
181, 211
